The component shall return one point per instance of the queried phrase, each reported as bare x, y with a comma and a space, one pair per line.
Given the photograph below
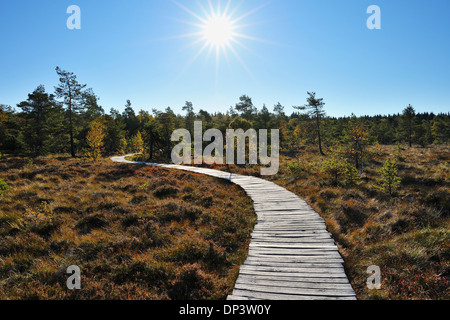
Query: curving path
292, 256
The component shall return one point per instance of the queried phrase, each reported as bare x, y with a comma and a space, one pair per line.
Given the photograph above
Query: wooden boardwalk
292, 256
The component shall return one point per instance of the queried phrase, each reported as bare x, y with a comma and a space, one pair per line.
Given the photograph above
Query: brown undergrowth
407, 234
136, 232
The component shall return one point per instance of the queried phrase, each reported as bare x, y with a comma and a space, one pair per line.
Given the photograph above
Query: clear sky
136, 50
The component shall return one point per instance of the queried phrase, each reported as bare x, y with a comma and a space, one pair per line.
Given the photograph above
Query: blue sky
133, 50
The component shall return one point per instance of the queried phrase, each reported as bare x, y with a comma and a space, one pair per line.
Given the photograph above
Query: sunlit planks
292, 256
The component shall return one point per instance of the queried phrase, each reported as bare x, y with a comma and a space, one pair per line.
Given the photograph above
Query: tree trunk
169, 152
151, 146
72, 145
410, 134
318, 133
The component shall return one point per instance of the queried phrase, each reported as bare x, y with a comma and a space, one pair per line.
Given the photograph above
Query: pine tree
389, 181
316, 112
407, 124
246, 107
190, 117
130, 119
91, 106
441, 130
72, 93
166, 124
357, 138
422, 134
334, 167
151, 132
278, 109
40, 112
337, 166
350, 173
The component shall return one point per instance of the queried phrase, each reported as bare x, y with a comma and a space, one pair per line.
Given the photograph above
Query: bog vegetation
135, 232
381, 182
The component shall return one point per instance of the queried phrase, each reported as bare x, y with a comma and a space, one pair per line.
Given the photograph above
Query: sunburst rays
219, 30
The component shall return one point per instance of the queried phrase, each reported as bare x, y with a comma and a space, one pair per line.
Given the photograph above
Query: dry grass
136, 232
407, 235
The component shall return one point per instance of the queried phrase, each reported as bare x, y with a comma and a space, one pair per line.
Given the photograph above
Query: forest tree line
71, 120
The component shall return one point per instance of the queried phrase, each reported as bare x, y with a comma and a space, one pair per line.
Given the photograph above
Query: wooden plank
281, 262
294, 274
294, 252
296, 269
324, 247
296, 290
292, 234
295, 242
284, 278
268, 261
293, 228
291, 256
239, 298
294, 284
278, 296
294, 258
324, 272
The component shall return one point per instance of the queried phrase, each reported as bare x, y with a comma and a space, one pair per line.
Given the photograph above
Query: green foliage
47, 126
246, 108
240, 123
388, 180
295, 167
42, 121
351, 174
40, 221
422, 134
116, 136
72, 93
333, 166
3, 187
407, 125
315, 109
336, 166
356, 137
441, 130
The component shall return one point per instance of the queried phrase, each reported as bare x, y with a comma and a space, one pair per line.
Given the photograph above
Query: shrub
89, 223
152, 273
95, 139
3, 187
138, 199
165, 191
389, 180
337, 166
192, 212
295, 167
37, 220
192, 283
333, 167
350, 173
352, 215
130, 220
207, 201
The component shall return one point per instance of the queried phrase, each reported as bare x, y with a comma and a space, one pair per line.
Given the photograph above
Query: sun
218, 31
